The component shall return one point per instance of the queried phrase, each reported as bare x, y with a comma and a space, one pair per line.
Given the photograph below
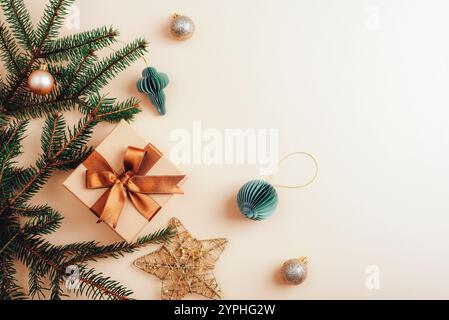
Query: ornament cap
43, 67
304, 260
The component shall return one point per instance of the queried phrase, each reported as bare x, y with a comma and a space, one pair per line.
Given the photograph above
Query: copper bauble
41, 81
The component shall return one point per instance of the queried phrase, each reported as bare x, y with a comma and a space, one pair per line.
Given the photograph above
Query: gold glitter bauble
182, 27
294, 271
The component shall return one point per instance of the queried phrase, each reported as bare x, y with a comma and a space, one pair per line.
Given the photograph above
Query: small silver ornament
182, 27
41, 81
294, 271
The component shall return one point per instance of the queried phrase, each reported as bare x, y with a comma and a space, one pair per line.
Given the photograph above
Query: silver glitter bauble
41, 81
182, 27
294, 271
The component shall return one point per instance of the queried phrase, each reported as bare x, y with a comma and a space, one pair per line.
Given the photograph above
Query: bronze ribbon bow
133, 184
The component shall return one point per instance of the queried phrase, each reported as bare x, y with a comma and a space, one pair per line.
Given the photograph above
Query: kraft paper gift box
130, 222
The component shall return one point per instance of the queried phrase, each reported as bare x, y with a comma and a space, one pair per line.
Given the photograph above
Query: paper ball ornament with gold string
257, 200
185, 265
41, 81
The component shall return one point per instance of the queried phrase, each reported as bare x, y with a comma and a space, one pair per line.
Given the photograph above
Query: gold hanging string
300, 186
145, 60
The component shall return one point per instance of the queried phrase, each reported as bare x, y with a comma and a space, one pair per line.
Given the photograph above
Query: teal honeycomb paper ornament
257, 200
153, 84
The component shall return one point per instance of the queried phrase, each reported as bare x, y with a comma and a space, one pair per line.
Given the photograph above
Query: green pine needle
9, 52
71, 47
19, 19
91, 251
99, 76
52, 20
79, 76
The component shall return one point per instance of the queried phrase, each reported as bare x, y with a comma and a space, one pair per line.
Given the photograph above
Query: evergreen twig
79, 76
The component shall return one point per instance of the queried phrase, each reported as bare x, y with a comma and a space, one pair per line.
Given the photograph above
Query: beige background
369, 100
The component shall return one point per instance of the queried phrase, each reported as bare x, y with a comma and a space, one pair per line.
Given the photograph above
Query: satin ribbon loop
133, 184
100, 179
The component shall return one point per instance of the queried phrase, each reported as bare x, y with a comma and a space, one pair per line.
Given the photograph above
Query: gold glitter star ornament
185, 265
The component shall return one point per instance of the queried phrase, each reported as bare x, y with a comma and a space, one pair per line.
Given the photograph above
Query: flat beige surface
363, 85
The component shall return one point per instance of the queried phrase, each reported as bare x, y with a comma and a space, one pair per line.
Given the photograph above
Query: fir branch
56, 291
62, 101
109, 110
51, 22
68, 100
42, 224
75, 161
13, 232
57, 101
17, 96
9, 52
52, 135
9, 289
77, 137
125, 110
31, 181
36, 283
72, 148
96, 286
9, 227
93, 284
71, 47
77, 67
99, 76
3, 118
5, 160
14, 134
38, 252
17, 16
19, 19
47, 105
19, 103
73, 144
35, 252
91, 251
36, 177
26, 70
78, 77
10, 148
32, 211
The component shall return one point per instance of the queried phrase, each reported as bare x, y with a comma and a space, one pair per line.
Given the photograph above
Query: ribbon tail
110, 205
156, 184
144, 204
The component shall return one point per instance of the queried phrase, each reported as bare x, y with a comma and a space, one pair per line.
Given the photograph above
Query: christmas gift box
125, 182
